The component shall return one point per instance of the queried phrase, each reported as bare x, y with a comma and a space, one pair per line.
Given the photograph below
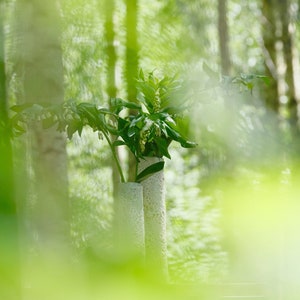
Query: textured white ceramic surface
154, 216
129, 219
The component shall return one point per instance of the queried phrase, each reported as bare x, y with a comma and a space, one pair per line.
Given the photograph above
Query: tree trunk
6, 174
132, 64
268, 27
9, 250
223, 37
110, 49
287, 38
132, 48
40, 64
111, 88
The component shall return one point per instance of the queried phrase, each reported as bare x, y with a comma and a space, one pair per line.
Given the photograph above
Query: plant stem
113, 150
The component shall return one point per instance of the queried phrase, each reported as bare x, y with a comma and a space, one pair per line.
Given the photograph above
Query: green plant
155, 120
152, 124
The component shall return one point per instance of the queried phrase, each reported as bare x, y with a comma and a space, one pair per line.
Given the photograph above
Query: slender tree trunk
110, 48
9, 250
223, 37
287, 38
6, 176
111, 88
40, 63
131, 48
132, 63
268, 27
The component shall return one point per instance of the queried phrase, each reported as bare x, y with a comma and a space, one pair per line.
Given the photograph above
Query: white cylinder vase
129, 221
155, 217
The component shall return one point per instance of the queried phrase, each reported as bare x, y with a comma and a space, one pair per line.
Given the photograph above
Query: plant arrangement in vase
160, 121
154, 122
148, 133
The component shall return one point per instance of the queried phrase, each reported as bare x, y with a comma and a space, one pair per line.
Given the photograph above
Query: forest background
232, 195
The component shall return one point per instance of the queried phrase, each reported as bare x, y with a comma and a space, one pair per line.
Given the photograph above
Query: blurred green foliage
90, 193
231, 203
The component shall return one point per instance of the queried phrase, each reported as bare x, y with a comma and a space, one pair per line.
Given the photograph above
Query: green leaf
162, 145
20, 107
49, 122
172, 133
122, 124
61, 126
132, 131
137, 121
80, 127
112, 130
150, 171
118, 143
131, 105
188, 144
141, 74
72, 128
265, 79
88, 111
176, 136
250, 86
20, 130
117, 104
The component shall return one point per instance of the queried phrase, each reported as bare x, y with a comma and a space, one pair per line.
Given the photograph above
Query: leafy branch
148, 131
